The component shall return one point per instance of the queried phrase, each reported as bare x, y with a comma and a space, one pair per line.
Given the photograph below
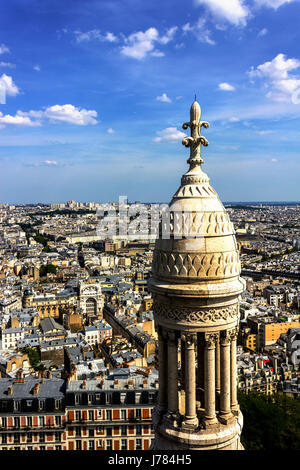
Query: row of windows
124, 415
16, 422
115, 397
108, 444
108, 430
17, 437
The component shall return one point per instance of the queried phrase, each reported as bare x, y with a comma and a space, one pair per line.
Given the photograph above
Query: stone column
163, 368
225, 375
190, 419
183, 362
234, 400
218, 378
209, 378
172, 373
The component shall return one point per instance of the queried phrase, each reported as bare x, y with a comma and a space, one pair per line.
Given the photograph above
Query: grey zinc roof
50, 388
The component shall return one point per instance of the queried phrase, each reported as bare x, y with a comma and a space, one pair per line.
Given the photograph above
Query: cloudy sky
93, 95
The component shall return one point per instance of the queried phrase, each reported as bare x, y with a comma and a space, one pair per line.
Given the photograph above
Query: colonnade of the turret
197, 376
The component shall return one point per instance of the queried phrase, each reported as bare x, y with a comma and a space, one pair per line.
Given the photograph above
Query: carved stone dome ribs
217, 265
197, 224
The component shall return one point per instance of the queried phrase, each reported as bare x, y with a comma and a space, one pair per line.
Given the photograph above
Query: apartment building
112, 413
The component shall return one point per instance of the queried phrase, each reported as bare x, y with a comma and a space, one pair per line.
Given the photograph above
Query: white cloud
49, 163
234, 119
18, 120
7, 64
233, 11
94, 34
226, 87
71, 114
57, 113
280, 84
273, 3
164, 98
266, 132
169, 36
170, 134
37, 68
3, 49
7, 86
202, 33
139, 45
110, 131
274, 160
262, 32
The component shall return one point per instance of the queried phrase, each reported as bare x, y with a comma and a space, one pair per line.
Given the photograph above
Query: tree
33, 356
271, 422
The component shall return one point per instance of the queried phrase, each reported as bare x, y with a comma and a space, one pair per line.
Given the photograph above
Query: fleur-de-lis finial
196, 140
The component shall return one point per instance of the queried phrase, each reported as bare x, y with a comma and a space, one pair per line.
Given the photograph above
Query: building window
138, 444
78, 431
138, 429
91, 445
57, 404
109, 444
108, 432
78, 445
123, 414
138, 413
41, 404
91, 416
108, 415
123, 444
77, 416
91, 432
58, 420
108, 398
16, 405
77, 399
42, 421
124, 430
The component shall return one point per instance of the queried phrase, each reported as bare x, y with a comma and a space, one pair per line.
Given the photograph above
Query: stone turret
196, 287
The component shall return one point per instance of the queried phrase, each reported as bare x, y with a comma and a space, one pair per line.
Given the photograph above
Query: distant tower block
196, 288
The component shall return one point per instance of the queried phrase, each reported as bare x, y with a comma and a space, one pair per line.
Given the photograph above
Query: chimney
10, 390
145, 382
83, 385
116, 382
130, 383
35, 389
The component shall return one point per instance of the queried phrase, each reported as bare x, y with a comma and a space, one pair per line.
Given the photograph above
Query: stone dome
196, 246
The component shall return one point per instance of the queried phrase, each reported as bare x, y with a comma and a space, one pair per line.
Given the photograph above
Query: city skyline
93, 97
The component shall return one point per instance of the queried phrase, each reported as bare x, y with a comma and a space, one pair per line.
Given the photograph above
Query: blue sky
93, 95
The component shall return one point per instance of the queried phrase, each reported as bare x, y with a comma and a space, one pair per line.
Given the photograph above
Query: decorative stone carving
225, 338
233, 334
190, 315
189, 339
196, 265
211, 340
